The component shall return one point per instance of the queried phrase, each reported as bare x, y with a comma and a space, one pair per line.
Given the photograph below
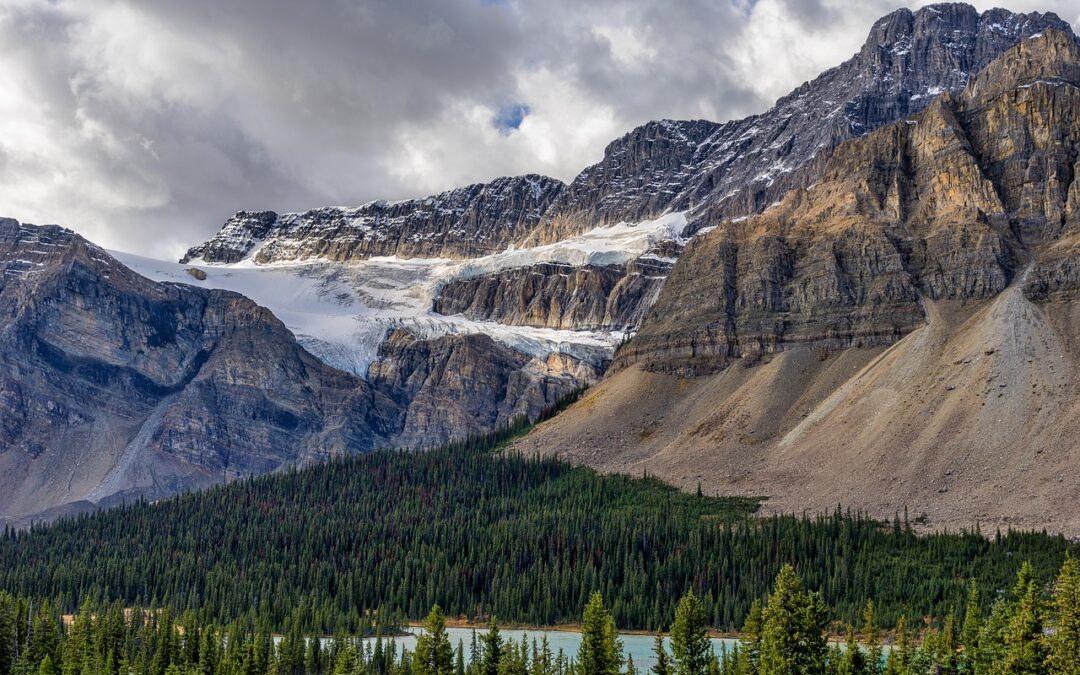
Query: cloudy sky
144, 124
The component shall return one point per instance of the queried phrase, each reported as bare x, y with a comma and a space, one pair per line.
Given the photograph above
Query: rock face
113, 386
740, 167
467, 222
900, 335
712, 171
946, 205
553, 295
455, 386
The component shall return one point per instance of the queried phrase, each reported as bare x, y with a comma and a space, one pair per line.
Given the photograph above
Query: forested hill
486, 533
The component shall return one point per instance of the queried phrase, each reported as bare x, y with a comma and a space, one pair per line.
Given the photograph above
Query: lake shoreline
559, 628
464, 623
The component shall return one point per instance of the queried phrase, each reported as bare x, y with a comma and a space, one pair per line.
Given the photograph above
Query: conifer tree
872, 663
739, 663
47, 667
601, 651
946, 656
7, 633
714, 664
544, 662
849, 660
1063, 657
313, 656
44, 638
345, 662
689, 637
492, 649
834, 661
752, 637
434, 655
793, 629
969, 631
991, 641
1024, 647
210, 653
290, 651
662, 666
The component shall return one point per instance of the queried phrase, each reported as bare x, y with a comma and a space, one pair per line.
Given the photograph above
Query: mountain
113, 386
289, 337
740, 167
901, 333
549, 268
467, 222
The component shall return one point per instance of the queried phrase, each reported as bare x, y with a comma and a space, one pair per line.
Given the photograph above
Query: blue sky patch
509, 117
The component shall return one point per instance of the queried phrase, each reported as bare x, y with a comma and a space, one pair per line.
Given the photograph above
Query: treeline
1033, 630
488, 534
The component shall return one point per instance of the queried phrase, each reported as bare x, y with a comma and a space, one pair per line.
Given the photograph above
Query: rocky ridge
113, 386
712, 169
563, 296
946, 205
739, 168
466, 222
899, 335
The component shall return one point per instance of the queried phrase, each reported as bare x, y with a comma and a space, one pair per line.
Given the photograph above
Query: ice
341, 312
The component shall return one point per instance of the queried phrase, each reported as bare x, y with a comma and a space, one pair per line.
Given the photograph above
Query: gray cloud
145, 124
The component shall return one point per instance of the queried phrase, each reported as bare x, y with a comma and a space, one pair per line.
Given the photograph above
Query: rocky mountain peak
465, 222
28, 251
739, 168
713, 170
1051, 57
949, 204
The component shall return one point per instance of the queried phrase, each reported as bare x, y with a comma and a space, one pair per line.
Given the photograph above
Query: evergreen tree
1063, 657
662, 666
873, 662
946, 656
793, 629
44, 638
47, 667
849, 660
475, 649
492, 649
313, 656
752, 638
991, 651
1024, 647
7, 632
689, 638
969, 631
434, 655
290, 652
345, 662
601, 651
543, 663
210, 652
714, 665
